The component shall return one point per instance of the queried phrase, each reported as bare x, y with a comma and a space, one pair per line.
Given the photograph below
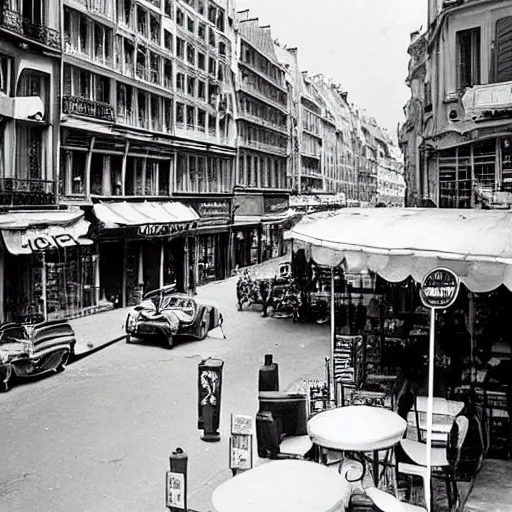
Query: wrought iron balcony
16, 191
14, 22
74, 105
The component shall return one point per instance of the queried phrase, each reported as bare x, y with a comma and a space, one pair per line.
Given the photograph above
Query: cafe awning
400, 242
25, 232
125, 214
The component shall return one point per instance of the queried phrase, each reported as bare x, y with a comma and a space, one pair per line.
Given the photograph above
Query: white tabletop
357, 428
441, 406
283, 485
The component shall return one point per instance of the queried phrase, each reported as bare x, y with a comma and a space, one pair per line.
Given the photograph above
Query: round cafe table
283, 485
358, 429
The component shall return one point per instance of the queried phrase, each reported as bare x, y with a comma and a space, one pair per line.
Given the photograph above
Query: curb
78, 357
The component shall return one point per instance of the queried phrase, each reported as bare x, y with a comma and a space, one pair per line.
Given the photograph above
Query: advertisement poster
240, 452
175, 490
242, 425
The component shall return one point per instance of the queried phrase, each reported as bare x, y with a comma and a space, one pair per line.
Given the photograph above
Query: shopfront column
125, 272
2, 284
185, 266
96, 262
43, 285
162, 259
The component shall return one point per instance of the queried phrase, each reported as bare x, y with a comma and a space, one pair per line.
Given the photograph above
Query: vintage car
30, 350
164, 314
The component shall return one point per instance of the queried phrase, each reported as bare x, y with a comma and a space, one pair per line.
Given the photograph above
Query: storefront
142, 247
260, 221
48, 265
209, 249
393, 343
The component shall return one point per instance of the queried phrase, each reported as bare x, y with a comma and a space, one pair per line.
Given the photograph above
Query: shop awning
25, 232
122, 214
400, 242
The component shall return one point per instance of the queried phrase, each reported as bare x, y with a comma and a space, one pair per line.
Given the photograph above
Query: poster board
345, 360
240, 442
240, 452
175, 490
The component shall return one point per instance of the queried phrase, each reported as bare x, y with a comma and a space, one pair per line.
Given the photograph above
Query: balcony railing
14, 22
16, 191
74, 105
263, 122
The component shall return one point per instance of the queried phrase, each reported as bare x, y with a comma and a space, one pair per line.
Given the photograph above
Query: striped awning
126, 214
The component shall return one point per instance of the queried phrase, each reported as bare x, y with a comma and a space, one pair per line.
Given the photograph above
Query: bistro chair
386, 502
444, 459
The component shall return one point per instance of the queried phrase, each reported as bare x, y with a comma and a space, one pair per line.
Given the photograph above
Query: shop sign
248, 205
165, 229
45, 242
276, 205
439, 288
213, 209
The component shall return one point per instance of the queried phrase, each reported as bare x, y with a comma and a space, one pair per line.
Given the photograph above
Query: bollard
209, 398
176, 481
269, 375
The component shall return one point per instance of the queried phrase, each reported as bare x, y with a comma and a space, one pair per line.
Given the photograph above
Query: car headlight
3, 357
130, 322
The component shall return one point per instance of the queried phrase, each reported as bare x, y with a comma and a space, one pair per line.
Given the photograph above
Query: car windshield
13, 334
177, 303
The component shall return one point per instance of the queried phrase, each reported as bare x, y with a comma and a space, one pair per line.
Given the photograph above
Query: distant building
261, 200
456, 140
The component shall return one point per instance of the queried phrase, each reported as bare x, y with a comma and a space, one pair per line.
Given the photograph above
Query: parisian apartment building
147, 143
457, 140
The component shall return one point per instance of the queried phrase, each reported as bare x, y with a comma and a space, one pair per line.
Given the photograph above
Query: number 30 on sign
175, 490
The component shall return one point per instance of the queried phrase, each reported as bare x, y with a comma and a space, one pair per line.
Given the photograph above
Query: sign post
439, 290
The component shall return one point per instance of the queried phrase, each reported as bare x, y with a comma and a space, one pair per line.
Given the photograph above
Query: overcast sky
361, 44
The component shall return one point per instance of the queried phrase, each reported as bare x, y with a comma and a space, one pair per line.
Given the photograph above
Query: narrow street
97, 438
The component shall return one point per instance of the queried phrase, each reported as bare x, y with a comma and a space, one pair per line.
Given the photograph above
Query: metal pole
430, 404
333, 330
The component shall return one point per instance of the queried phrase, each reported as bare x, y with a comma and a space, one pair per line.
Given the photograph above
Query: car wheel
170, 342
129, 338
63, 363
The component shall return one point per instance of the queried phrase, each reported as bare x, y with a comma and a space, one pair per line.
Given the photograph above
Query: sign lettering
214, 209
439, 288
45, 242
165, 229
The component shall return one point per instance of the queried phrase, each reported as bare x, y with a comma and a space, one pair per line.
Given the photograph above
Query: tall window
504, 49
468, 58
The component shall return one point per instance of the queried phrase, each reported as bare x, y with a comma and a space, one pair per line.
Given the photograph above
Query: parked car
30, 350
164, 314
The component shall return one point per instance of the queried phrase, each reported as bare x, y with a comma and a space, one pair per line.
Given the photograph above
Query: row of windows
262, 138
195, 118
188, 53
256, 84
198, 174
261, 171
214, 15
253, 58
263, 111
204, 90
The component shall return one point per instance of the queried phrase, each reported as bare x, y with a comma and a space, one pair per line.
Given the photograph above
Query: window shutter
504, 49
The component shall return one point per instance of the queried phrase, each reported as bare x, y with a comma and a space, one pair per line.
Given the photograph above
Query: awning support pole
333, 331
430, 405
43, 285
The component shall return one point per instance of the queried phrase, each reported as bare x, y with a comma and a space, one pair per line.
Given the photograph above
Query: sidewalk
94, 332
